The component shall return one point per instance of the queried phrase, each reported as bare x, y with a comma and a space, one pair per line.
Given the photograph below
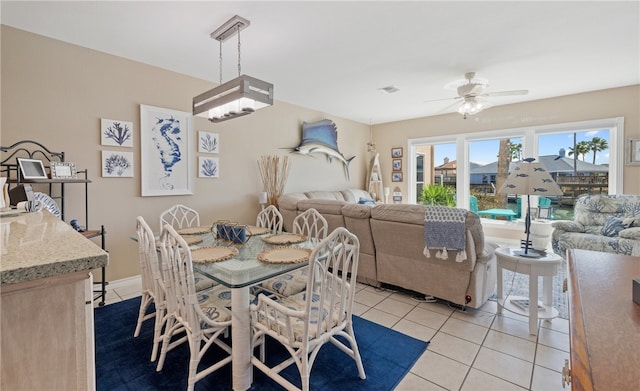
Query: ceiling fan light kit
238, 97
470, 107
471, 93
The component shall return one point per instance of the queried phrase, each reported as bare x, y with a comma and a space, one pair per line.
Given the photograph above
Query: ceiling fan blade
506, 93
448, 108
440, 100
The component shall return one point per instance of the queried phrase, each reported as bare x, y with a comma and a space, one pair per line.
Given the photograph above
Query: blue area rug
122, 362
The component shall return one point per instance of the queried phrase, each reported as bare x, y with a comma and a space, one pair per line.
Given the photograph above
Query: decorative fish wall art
322, 137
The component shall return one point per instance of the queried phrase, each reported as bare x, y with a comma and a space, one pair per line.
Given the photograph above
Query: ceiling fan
471, 94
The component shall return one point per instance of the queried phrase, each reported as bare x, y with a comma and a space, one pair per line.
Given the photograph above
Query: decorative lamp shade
240, 96
531, 179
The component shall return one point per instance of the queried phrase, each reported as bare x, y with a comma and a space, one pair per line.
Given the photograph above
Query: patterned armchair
605, 223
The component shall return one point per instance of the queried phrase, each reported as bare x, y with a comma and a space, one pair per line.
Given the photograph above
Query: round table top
548, 257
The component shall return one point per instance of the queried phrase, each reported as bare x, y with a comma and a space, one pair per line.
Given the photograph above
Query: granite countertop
39, 245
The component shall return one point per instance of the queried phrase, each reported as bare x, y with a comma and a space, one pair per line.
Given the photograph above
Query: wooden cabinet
604, 322
47, 334
46, 341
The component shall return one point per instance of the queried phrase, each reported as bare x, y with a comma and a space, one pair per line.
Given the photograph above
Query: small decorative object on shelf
63, 170
75, 225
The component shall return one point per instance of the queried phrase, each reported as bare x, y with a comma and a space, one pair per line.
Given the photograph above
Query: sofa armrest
488, 252
568, 226
630, 233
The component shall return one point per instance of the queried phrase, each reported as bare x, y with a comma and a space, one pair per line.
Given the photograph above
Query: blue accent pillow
613, 226
366, 201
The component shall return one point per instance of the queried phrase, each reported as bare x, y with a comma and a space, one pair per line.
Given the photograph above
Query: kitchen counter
39, 245
47, 307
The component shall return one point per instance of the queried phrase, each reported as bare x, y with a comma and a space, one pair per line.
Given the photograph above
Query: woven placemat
285, 238
213, 254
253, 230
190, 239
284, 255
194, 230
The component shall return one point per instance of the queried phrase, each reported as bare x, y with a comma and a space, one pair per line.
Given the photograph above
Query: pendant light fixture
238, 97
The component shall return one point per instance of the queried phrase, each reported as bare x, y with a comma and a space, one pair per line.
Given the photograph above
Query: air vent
388, 90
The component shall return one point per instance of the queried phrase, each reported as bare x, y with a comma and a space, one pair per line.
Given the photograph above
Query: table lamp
531, 179
262, 199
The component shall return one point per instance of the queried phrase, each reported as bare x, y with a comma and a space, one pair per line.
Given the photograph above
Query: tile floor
471, 350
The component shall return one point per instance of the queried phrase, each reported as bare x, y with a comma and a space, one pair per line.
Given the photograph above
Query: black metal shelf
34, 150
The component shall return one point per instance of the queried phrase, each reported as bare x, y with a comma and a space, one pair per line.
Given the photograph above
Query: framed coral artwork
208, 142
116, 133
117, 164
166, 143
208, 167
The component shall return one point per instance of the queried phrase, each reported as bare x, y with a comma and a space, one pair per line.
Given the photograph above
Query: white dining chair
270, 218
313, 225
305, 322
201, 316
153, 287
180, 216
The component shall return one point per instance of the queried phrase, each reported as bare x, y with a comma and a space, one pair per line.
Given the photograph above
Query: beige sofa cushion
290, 201
333, 207
356, 220
324, 195
354, 195
401, 213
357, 211
414, 214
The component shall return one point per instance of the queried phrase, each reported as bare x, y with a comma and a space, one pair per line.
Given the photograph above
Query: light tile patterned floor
472, 350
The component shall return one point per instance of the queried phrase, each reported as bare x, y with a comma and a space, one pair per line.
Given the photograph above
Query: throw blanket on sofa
444, 229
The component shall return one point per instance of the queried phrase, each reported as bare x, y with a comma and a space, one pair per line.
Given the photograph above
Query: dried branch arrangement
273, 171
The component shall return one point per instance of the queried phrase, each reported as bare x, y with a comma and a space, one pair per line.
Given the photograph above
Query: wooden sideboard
604, 322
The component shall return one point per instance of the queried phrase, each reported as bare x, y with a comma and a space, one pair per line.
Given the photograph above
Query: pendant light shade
238, 97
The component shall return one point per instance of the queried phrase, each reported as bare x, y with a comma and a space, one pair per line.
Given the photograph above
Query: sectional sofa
392, 243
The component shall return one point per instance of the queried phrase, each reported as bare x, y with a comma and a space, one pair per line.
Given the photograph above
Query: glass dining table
240, 273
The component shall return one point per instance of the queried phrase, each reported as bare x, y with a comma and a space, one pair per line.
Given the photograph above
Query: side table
546, 267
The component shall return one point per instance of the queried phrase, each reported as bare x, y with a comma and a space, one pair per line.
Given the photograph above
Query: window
595, 168
439, 159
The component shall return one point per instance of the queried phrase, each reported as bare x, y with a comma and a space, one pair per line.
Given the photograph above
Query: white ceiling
334, 56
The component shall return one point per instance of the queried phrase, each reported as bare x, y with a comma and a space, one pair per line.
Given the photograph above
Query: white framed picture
32, 169
208, 142
117, 164
165, 151
116, 133
633, 152
208, 167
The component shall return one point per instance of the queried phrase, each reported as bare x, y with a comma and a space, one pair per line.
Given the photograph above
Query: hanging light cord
238, 28
220, 59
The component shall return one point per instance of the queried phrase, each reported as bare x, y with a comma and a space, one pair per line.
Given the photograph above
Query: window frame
530, 136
